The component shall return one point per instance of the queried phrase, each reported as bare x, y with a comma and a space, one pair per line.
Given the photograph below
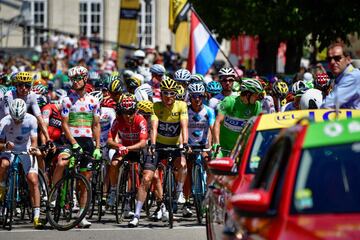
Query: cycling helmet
17, 109
308, 77
127, 73
226, 72
98, 95
126, 103
214, 87
157, 69
144, 92
109, 103
139, 54
42, 101
145, 107
322, 81
311, 99
45, 74
251, 85
182, 75
94, 76
299, 88
280, 88
133, 82
115, 86
78, 72
180, 93
40, 82
39, 89
167, 84
60, 93
197, 78
196, 88
23, 77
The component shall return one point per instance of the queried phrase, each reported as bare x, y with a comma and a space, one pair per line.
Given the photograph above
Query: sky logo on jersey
169, 129
234, 124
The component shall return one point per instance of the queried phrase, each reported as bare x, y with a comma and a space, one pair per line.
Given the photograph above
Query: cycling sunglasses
76, 79
227, 80
336, 58
168, 93
197, 96
27, 85
128, 112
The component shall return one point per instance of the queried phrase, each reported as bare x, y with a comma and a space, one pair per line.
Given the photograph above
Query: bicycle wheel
169, 194
198, 191
44, 196
61, 202
94, 194
9, 203
121, 193
100, 191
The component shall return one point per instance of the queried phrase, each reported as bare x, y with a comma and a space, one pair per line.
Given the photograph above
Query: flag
203, 47
177, 12
182, 36
127, 29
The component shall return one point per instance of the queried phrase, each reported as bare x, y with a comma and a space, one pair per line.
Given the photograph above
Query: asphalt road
184, 228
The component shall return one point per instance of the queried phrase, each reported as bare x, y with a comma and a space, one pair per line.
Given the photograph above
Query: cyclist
18, 132
23, 86
212, 88
182, 78
157, 72
115, 87
81, 123
133, 82
233, 113
132, 130
201, 123
298, 89
279, 92
227, 77
169, 127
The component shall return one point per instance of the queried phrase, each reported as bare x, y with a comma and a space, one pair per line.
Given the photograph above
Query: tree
281, 20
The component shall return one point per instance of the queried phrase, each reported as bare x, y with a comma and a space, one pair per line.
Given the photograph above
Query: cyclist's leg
62, 162
5, 160
180, 165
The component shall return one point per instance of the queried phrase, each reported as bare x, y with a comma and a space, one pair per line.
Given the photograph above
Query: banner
182, 36
177, 12
128, 22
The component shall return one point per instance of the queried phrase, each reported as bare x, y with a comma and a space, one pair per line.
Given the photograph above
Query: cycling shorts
87, 146
29, 163
151, 162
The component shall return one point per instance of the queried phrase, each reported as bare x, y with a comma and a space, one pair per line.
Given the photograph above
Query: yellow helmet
180, 93
24, 77
115, 86
132, 82
145, 106
167, 84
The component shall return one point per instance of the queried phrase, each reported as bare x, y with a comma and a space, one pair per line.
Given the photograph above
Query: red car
306, 187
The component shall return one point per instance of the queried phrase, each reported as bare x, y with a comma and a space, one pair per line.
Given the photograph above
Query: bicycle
169, 189
199, 182
126, 188
17, 193
97, 188
63, 196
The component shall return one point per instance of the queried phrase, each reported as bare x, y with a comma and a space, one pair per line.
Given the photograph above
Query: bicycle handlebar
16, 152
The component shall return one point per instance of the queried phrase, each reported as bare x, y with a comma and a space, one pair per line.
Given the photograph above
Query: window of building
35, 13
146, 28
91, 17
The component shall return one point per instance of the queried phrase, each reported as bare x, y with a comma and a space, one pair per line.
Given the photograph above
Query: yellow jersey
169, 121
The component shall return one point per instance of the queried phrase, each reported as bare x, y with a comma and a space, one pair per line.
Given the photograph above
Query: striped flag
203, 47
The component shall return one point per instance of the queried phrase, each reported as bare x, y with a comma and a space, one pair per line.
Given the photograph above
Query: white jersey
30, 100
214, 101
19, 134
268, 105
107, 117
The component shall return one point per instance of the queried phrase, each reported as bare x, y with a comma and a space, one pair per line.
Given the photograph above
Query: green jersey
236, 115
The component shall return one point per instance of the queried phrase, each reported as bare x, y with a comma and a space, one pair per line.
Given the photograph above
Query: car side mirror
224, 166
256, 201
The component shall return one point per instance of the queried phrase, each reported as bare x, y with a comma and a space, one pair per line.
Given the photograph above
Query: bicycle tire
198, 193
121, 194
56, 194
44, 196
100, 192
169, 195
8, 208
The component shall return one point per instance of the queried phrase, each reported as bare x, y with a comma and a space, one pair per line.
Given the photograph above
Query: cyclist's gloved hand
97, 154
76, 148
122, 150
9, 145
187, 148
215, 149
50, 144
151, 149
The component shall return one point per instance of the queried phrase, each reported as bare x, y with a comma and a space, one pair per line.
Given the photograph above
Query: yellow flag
177, 12
182, 37
127, 32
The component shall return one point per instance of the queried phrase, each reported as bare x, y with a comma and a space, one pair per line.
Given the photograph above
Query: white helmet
78, 71
311, 99
143, 93
139, 54
17, 109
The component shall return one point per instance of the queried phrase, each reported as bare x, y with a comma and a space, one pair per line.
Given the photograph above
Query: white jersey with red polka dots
81, 112
107, 118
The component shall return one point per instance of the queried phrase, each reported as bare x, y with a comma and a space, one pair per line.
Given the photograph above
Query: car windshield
260, 145
328, 180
